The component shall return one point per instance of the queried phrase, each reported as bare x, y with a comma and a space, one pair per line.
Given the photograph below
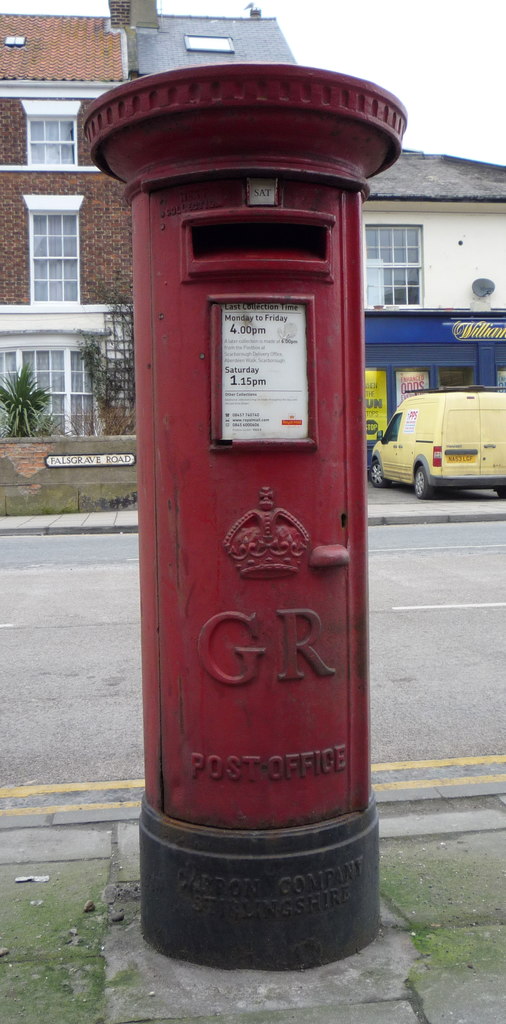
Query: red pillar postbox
258, 831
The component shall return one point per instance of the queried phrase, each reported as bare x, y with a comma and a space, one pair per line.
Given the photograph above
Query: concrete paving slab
84, 816
128, 852
143, 984
389, 919
461, 978
456, 881
442, 823
463, 997
69, 519
16, 821
472, 788
101, 518
21, 846
371, 1013
392, 796
14, 522
126, 516
40, 521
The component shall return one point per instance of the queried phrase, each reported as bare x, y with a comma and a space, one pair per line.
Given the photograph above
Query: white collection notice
264, 371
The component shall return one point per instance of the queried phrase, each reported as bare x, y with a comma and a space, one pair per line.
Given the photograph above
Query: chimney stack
133, 14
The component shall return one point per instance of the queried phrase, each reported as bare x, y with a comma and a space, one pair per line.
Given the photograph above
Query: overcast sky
442, 58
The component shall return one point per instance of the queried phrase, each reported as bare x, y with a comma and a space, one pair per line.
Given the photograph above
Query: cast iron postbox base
280, 899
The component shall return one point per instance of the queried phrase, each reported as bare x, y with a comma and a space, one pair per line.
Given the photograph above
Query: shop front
411, 351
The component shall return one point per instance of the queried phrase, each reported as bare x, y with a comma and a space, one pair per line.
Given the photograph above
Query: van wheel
501, 492
376, 475
423, 489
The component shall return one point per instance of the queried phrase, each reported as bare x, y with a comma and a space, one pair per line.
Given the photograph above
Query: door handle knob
326, 556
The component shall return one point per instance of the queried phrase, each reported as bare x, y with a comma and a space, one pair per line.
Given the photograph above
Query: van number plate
461, 458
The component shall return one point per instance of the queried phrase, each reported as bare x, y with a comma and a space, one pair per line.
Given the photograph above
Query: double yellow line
68, 787
449, 762
21, 792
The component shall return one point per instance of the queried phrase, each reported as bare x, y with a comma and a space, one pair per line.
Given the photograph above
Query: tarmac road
78, 622
439, 956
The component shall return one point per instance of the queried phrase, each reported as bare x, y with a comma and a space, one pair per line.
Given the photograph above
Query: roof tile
425, 177
254, 39
60, 49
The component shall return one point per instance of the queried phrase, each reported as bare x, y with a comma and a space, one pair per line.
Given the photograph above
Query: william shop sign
469, 330
100, 459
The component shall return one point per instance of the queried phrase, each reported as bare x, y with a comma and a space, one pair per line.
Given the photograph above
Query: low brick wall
85, 474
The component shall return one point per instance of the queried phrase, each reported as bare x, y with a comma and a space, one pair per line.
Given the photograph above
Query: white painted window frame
50, 110
51, 344
48, 205
200, 43
374, 268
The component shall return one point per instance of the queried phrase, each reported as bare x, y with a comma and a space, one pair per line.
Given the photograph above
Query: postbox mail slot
254, 239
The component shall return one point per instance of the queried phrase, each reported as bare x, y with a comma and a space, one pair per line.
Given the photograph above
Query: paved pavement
71, 949
395, 505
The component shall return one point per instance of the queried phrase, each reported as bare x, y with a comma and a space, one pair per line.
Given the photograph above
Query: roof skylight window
15, 41
211, 44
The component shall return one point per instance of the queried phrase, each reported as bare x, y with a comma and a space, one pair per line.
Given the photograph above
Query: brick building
64, 226
61, 220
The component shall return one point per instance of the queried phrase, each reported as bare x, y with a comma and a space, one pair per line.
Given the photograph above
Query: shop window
455, 376
409, 381
394, 266
501, 377
375, 402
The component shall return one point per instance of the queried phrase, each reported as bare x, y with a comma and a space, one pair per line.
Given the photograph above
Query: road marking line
59, 808
6, 625
437, 547
377, 787
467, 780
441, 607
385, 766
446, 762
70, 787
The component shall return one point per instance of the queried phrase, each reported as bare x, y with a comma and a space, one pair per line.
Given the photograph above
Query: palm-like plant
24, 404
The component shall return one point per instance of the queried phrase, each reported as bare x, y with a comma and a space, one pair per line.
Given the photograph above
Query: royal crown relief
266, 542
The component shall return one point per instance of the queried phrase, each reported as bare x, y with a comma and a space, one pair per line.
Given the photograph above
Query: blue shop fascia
409, 351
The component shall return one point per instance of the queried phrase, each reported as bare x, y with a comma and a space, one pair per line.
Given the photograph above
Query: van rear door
493, 433
461, 444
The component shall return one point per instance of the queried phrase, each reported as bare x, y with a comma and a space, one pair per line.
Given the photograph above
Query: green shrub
24, 406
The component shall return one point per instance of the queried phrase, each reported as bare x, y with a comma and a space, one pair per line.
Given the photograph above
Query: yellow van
451, 437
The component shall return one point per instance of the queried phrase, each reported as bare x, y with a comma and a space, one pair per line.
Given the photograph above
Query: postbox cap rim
294, 95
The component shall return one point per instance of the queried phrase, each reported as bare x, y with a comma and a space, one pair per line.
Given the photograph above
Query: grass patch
474, 948
54, 993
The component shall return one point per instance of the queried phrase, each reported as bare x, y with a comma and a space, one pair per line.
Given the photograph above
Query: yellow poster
376, 412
